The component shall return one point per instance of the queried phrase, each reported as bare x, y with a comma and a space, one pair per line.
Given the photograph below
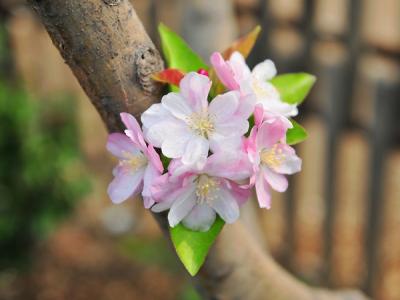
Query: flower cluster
215, 158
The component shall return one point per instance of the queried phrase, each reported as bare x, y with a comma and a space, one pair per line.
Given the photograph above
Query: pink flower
184, 125
195, 196
271, 157
139, 165
236, 75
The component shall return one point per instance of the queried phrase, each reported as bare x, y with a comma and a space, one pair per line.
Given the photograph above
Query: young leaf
293, 87
192, 246
170, 76
296, 134
177, 53
244, 45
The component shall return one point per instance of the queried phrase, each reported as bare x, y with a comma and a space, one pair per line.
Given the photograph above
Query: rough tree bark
107, 48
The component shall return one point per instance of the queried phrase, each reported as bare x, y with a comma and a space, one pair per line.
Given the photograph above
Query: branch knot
148, 62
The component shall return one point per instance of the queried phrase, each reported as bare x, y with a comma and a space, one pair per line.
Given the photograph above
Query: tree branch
107, 48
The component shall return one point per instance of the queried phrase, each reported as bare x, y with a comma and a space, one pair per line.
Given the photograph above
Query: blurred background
337, 226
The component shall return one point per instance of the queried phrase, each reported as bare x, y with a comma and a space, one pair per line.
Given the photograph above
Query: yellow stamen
135, 161
206, 188
201, 124
272, 157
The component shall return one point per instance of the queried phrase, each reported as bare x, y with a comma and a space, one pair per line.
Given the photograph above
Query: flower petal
196, 152
270, 133
201, 218
246, 106
221, 143
182, 205
194, 88
150, 175
177, 105
154, 114
234, 126
165, 130
263, 192
291, 163
277, 181
133, 130
226, 206
230, 165
224, 106
120, 145
175, 142
126, 183
278, 107
154, 158
239, 67
224, 71
265, 70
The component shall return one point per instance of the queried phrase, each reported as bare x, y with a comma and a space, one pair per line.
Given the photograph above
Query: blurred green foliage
41, 177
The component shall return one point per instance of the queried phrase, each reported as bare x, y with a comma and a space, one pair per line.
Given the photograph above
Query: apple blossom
236, 75
195, 196
270, 156
139, 165
184, 125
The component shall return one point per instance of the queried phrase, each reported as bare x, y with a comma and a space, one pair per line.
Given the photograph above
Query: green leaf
177, 53
293, 87
192, 246
296, 134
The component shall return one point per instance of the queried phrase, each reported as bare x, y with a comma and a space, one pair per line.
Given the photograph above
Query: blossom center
272, 157
135, 161
201, 124
206, 189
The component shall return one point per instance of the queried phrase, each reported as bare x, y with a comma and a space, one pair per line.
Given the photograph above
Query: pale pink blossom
184, 125
236, 75
139, 164
195, 196
270, 156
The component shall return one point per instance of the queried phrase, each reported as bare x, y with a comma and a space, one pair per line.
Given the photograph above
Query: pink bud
202, 72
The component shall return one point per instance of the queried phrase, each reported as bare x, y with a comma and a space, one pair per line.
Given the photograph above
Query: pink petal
270, 133
154, 158
183, 204
263, 192
226, 206
195, 88
291, 163
224, 106
224, 71
126, 183
120, 145
134, 132
234, 166
258, 114
277, 181
240, 194
246, 106
201, 218
239, 67
150, 175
